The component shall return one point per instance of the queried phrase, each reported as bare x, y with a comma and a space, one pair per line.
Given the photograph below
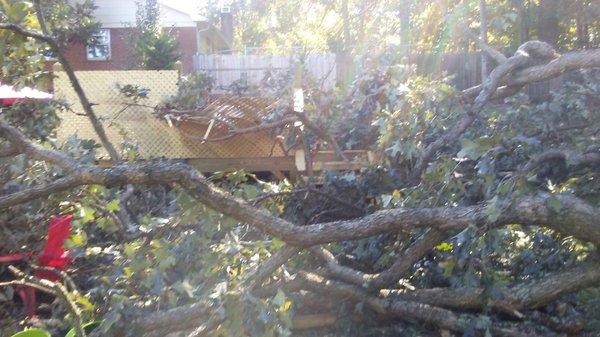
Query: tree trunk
483, 37
547, 23
523, 19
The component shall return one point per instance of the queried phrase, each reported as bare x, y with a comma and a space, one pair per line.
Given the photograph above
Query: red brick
122, 52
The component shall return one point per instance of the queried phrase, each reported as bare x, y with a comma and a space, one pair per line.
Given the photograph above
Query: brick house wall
121, 52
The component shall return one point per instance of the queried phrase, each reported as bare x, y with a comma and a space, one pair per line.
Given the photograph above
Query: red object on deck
52, 255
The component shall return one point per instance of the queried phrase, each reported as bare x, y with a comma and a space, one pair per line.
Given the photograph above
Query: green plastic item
87, 327
32, 333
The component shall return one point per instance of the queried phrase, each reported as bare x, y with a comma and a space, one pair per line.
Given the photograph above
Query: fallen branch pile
441, 307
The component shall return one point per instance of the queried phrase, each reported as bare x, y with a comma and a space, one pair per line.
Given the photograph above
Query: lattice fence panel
137, 125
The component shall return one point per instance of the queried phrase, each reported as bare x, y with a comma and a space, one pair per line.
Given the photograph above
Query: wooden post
179, 67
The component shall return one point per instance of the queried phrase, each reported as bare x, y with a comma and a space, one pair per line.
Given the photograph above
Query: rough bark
526, 295
407, 310
373, 282
577, 218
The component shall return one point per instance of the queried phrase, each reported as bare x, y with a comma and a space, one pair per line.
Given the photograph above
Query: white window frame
101, 58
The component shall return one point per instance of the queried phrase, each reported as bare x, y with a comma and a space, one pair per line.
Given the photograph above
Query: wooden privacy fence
328, 69
254, 69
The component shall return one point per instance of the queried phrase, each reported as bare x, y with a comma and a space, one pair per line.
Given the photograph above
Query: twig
237, 132
57, 271
57, 290
268, 267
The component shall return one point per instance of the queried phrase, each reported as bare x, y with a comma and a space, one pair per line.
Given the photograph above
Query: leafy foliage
154, 48
142, 249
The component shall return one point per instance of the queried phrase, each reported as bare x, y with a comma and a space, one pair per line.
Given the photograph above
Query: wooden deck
323, 160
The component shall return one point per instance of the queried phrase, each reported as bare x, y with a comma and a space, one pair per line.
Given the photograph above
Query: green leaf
279, 299
493, 209
469, 150
87, 327
87, 214
130, 249
113, 206
32, 333
77, 240
251, 191
444, 247
83, 301
554, 204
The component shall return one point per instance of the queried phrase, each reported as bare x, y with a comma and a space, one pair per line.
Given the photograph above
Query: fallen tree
423, 227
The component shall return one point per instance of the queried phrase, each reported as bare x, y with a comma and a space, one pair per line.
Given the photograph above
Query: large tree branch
165, 319
22, 144
565, 62
576, 218
390, 276
527, 295
27, 32
7, 150
573, 159
522, 72
407, 259
403, 309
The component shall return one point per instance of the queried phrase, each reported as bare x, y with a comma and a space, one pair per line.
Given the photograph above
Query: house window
99, 47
